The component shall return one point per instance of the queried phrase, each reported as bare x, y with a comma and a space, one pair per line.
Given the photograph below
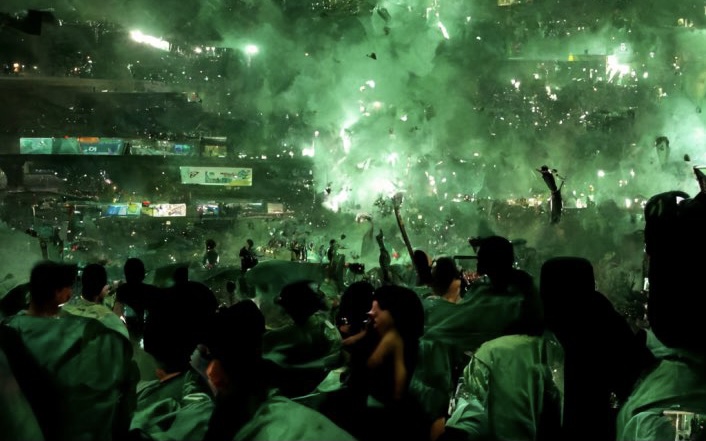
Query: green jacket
281, 419
451, 330
82, 307
511, 390
678, 383
302, 355
91, 373
176, 409
480, 317
17, 418
186, 417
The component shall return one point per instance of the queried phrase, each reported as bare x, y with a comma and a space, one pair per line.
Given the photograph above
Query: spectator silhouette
304, 352
446, 279
181, 322
380, 403
94, 288
211, 259
489, 307
248, 260
591, 332
135, 299
496, 259
245, 409
230, 290
352, 315
508, 390
674, 236
89, 365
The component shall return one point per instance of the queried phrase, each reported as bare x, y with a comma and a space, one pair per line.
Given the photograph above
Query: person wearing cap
491, 305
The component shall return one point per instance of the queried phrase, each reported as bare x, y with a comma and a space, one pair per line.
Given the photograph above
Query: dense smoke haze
450, 102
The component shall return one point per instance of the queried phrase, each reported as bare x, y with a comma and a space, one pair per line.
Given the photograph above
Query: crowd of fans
433, 354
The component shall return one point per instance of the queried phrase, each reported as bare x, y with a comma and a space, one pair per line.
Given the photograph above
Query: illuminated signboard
215, 146
215, 151
208, 209
72, 146
49, 146
130, 209
36, 146
275, 208
227, 176
165, 210
101, 146
116, 210
134, 209
66, 146
161, 147
182, 149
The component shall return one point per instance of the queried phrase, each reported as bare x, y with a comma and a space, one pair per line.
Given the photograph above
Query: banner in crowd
228, 176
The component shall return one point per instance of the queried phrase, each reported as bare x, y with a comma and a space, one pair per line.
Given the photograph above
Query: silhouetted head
563, 284
675, 237
407, 315
134, 270
50, 283
300, 300
235, 341
93, 280
181, 274
495, 255
444, 273
250, 243
422, 264
210, 244
355, 304
405, 307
